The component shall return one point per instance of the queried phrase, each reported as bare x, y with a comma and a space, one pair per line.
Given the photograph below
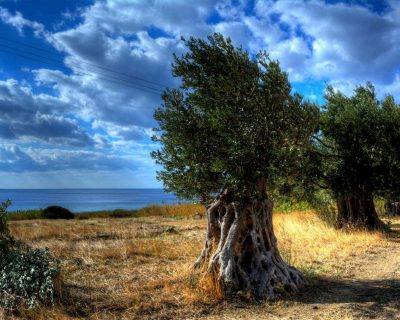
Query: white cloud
24, 114
20, 23
348, 43
15, 159
178, 17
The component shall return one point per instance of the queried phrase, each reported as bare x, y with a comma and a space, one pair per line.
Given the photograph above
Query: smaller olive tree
230, 133
357, 153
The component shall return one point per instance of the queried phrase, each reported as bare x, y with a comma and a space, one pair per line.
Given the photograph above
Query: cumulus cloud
20, 23
26, 115
177, 17
338, 42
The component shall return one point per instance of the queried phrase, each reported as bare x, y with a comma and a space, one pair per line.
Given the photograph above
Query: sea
86, 200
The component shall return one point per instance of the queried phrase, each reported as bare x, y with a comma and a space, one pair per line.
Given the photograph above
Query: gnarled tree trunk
358, 212
241, 251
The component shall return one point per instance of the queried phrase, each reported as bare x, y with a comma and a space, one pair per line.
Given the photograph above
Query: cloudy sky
79, 80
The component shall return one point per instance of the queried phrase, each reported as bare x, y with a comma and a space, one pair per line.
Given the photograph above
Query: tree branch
323, 143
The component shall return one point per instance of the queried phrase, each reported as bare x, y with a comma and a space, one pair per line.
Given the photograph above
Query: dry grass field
140, 268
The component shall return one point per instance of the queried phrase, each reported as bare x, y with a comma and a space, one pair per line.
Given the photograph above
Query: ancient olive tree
359, 148
226, 135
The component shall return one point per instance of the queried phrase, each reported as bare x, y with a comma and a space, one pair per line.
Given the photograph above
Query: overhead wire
84, 62
83, 71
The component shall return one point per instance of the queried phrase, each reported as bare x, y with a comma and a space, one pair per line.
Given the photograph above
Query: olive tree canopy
232, 123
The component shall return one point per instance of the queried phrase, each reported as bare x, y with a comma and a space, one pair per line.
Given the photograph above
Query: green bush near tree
28, 277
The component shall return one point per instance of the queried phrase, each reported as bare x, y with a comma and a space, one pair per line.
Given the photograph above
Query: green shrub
28, 276
57, 212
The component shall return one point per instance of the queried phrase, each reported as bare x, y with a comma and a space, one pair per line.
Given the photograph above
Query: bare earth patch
140, 268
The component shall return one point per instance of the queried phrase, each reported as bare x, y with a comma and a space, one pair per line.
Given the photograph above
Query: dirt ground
369, 288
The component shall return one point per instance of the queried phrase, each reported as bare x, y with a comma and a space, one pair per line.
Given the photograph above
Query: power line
60, 62
84, 62
132, 85
79, 72
88, 63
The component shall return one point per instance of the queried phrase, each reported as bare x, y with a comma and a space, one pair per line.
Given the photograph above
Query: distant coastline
85, 199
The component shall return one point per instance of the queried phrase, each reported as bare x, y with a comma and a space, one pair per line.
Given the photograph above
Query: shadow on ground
366, 298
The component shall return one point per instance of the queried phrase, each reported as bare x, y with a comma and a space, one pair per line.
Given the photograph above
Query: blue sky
79, 80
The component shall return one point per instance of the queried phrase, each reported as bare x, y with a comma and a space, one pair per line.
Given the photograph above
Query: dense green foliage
232, 124
27, 276
359, 143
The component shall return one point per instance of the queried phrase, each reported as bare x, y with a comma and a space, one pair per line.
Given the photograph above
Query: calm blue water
85, 199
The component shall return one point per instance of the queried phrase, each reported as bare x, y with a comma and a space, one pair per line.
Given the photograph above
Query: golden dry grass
140, 268
313, 246
177, 211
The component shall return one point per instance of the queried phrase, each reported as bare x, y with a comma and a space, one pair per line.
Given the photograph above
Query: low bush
57, 212
28, 277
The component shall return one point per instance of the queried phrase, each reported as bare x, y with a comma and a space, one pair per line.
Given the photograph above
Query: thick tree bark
358, 212
240, 250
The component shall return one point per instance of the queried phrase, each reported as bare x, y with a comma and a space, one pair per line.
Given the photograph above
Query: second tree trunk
358, 212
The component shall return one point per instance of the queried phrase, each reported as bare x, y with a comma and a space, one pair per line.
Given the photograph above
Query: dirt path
368, 289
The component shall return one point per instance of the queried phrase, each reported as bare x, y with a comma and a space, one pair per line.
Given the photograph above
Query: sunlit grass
179, 210
312, 245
